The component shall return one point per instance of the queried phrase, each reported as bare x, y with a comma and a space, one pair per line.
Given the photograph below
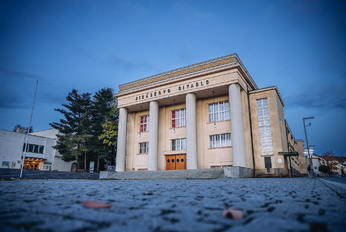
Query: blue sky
299, 46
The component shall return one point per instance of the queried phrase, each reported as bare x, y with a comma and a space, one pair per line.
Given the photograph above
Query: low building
317, 161
207, 115
58, 164
40, 154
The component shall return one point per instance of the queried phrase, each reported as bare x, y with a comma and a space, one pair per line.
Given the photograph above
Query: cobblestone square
273, 204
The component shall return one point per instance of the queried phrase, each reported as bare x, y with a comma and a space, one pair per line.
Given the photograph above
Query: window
178, 144
143, 147
220, 140
33, 148
219, 111
144, 123
6, 164
264, 126
178, 118
268, 163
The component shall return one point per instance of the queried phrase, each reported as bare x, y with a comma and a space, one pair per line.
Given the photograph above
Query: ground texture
284, 204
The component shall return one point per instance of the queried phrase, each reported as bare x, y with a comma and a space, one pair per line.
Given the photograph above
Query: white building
40, 153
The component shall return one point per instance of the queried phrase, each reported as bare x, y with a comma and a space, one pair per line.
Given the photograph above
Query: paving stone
275, 204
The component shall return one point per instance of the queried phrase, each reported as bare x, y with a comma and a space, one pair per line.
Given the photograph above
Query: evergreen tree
101, 108
109, 134
74, 128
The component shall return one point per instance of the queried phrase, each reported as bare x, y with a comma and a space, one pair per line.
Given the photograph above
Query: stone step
164, 174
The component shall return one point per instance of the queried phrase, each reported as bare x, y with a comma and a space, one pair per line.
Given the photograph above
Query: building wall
58, 163
11, 148
61, 165
276, 130
207, 157
49, 133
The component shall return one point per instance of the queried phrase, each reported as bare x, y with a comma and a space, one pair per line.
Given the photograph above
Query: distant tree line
88, 128
21, 129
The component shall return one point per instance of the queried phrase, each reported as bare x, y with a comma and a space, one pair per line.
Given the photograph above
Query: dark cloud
10, 99
8, 73
325, 97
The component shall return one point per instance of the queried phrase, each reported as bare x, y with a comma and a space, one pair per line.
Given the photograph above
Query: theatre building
207, 115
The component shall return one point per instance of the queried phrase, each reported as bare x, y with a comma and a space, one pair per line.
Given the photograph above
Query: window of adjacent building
33, 148
144, 123
6, 164
267, 163
178, 144
220, 140
219, 111
264, 126
178, 118
143, 147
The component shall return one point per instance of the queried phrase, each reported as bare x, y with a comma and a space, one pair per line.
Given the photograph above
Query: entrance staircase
165, 174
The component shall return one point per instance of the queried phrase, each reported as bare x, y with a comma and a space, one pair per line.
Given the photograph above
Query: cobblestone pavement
284, 204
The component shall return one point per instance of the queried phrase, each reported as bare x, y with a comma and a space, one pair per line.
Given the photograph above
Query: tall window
178, 118
143, 147
144, 123
178, 144
219, 111
264, 126
220, 140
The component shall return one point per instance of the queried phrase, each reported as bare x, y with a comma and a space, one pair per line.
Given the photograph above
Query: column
191, 130
238, 144
153, 135
121, 144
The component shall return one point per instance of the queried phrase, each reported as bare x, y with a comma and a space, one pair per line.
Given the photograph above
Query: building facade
58, 163
206, 115
40, 154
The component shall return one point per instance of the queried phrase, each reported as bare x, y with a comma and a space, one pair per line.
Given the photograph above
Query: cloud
330, 96
7, 73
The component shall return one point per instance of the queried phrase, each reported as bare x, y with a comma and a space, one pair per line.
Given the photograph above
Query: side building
206, 115
40, 154
58, 163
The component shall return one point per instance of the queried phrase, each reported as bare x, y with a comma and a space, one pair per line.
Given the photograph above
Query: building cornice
191, 70
268, 89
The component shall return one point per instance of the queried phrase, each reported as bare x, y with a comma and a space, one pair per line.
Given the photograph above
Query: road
272, 204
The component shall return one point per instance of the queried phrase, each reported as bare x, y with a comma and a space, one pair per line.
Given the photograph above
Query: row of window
264, 126
33, 148
216, 141
217, 112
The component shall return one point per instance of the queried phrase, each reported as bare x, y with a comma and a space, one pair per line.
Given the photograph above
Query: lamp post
307, 142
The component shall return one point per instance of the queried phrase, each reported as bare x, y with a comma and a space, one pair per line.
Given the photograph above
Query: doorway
176, 162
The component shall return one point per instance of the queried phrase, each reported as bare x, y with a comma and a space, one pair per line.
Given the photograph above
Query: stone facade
220, 88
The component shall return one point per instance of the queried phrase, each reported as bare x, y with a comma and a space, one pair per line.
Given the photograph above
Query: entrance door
175, 162
170, 162
180, 162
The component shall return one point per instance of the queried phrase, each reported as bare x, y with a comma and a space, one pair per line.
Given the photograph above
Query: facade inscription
192, 85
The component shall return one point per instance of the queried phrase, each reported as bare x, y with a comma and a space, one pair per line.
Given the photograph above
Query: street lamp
307, 142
